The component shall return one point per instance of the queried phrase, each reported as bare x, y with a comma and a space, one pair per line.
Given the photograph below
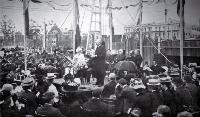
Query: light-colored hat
77, 80
50, 76
174, 74
136, 83
112, 76
165, 79
28, 81
78, 49
7, 87
192, 65
27, 72
153, 82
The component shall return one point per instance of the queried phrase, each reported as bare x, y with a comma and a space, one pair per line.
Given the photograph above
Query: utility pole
141, 40
181, 36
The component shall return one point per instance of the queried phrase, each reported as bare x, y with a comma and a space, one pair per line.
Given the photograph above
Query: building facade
54, 38
169, 36
58, 39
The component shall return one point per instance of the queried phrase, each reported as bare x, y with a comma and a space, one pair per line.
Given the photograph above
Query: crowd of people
149, 91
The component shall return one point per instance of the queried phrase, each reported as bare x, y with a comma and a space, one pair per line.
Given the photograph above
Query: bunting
158, 1
109, 7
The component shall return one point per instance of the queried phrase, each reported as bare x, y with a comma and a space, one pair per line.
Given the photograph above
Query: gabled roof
55, 27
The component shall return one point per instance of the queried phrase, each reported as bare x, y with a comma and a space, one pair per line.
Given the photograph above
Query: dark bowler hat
122, 81
48, 95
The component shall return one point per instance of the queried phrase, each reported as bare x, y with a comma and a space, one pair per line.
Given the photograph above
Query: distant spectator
183, 97
162, 111
184, 114
135, 112
96, 105
48, 110
109, 89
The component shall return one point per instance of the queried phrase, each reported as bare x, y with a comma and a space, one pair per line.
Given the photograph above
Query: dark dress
143, 101
96, 106
183, 98
49, 111
126, 98
109, 89
99, 67
28, 98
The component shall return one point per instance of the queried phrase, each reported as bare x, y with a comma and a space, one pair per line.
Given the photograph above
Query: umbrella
126, 66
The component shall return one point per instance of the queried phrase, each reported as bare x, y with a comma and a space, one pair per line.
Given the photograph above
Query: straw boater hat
136, 83
50, 76
174, 74
153, 82
165, 78
28, 81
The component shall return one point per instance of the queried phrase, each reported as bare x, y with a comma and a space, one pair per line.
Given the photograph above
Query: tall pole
25, 36
165, 36
181, 36
14, 39
100, 8
159, 40
110, 23
45, 36
141, 40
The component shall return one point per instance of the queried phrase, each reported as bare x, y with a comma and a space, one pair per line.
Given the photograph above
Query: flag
113, 30
77, 11
77, 37
77, 28
26, 13
26, 16
178, 7
138, 20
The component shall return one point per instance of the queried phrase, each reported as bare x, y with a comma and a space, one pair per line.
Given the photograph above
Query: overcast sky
44, 11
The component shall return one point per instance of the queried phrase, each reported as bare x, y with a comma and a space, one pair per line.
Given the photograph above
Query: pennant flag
138, 20
26, 13
26, 16
77, 11
36, 1
113, 30
77, 37
77, 28
178, 7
